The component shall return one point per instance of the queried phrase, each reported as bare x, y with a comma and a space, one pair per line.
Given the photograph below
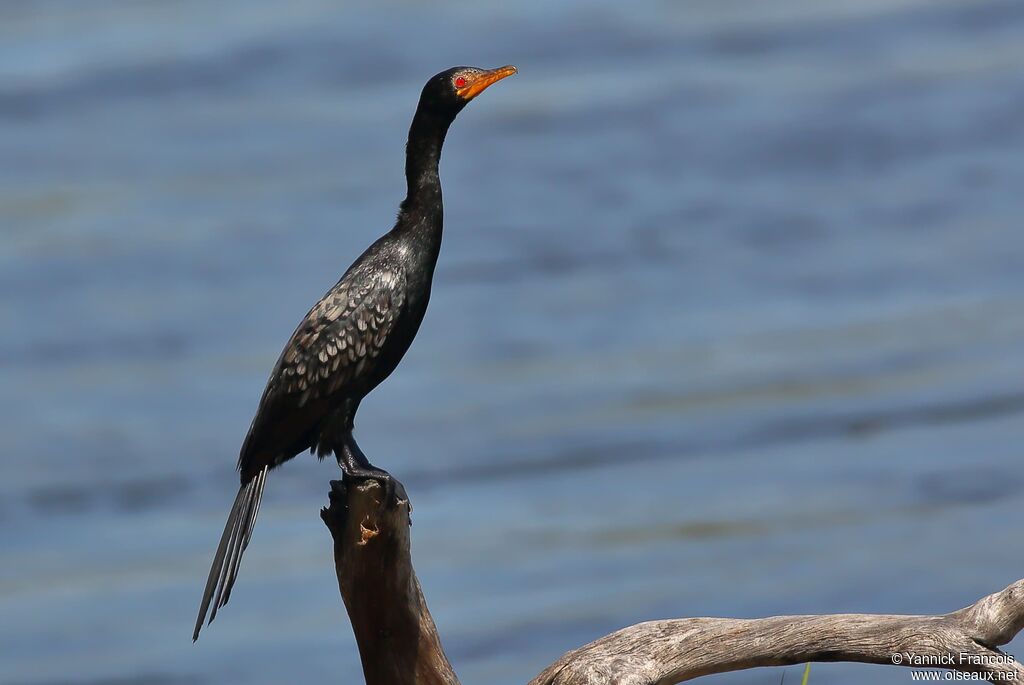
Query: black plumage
353, 338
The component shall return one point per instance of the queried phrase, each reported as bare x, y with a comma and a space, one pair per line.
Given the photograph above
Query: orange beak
484, 80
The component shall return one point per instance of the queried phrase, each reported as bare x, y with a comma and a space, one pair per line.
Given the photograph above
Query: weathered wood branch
672, 651
399, 645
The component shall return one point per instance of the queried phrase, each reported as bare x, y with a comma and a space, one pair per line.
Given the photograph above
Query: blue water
728, 320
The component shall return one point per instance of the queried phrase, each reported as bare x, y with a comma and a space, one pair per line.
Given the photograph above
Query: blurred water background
728, 320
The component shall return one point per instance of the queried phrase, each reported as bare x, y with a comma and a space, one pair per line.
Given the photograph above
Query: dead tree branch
398, 642
399, 645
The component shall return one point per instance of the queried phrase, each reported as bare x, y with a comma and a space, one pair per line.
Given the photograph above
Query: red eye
460, 82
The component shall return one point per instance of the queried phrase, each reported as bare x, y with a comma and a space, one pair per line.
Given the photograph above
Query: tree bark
399, 645
397, 639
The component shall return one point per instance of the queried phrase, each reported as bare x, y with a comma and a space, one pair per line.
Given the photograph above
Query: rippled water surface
728, 320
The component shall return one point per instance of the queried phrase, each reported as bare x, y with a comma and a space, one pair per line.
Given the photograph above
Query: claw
395, 491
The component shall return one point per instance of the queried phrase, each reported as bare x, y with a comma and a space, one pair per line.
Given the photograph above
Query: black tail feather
234, 540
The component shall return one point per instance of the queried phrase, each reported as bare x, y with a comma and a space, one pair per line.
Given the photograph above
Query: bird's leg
356, 466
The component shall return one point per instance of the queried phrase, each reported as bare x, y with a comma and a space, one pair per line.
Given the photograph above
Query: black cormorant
354, 337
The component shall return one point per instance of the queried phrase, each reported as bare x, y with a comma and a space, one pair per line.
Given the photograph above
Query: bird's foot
394, 491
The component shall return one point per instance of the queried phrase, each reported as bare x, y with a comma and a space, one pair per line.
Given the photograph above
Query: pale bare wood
399, 645
671, 651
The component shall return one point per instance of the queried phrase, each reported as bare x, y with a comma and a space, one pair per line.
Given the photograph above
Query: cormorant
354, 337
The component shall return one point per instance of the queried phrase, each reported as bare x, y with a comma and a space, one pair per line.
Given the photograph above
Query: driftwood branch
672, 651
399, 645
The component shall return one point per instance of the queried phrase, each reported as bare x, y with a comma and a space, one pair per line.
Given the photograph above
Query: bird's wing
332, 348
339, 337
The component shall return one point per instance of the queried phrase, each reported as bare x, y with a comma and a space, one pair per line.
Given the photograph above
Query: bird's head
451, 90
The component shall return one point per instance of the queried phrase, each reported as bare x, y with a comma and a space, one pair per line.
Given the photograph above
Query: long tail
233, 542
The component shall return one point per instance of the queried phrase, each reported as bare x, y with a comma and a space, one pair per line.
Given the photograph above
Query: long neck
422, 155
